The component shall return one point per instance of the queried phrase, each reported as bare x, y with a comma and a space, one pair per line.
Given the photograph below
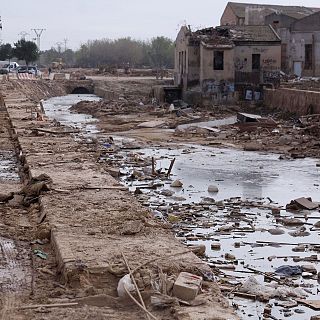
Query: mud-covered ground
73, 252
65, 248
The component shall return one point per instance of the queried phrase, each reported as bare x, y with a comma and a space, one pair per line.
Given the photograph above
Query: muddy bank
91, 221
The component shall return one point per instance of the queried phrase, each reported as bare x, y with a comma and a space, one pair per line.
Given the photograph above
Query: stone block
187, 286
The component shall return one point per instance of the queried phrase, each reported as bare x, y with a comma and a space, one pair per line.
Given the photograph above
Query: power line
23, 35
38, 33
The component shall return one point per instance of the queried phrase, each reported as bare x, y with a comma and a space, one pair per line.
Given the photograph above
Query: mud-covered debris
131, 227
266, 292
289, 271
167, 193
302, 203
6, 197
161, 301
213, 189
291, 221
176, 184
276, 231
187, 286
41, 254
199, 250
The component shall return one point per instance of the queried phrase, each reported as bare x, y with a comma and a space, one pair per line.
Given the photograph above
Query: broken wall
300, 102
181, 52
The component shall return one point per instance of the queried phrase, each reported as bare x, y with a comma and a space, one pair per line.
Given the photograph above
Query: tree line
156, 53
22, 50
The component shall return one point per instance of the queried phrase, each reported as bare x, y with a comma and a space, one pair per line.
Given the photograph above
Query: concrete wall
300, 102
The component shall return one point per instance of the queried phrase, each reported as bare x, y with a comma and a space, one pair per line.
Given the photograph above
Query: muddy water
58, 108
247, 182
239, 173
8, 167
256, 178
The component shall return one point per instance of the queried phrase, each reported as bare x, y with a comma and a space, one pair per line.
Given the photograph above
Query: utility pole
59, 44
65, 40
23, 35
38, 33
0, 30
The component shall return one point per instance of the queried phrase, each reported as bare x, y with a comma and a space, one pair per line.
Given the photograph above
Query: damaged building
220, 63
297, 26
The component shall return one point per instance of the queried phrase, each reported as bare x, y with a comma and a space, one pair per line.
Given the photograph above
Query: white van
12, 67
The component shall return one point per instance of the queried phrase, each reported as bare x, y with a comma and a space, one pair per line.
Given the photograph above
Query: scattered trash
289, 271
125, 282
302, 203
41, 254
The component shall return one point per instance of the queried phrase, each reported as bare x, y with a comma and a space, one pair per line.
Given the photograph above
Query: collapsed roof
229, 36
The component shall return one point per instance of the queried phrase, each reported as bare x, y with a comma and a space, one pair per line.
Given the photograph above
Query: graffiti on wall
240, 64
271, 77
217, 88
269, 62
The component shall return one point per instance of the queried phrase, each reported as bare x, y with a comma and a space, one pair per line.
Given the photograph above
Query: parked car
22, 69
30, 70
34, 70
12, 67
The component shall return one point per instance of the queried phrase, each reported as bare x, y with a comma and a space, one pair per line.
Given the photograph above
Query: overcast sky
81, 20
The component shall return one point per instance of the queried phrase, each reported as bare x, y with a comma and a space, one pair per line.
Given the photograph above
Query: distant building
238, 14
216, 62
298, 28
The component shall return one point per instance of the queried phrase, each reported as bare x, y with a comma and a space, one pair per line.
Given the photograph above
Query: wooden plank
56, 132
313, 304
54, 305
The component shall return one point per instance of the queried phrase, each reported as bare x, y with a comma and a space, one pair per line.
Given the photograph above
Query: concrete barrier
105, 93
300, 102
26, 76
59, 76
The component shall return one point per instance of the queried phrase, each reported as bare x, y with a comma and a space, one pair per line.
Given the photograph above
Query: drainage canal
244, 228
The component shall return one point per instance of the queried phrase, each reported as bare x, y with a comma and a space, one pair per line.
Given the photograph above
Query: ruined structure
238, 14
217, 62
298, 28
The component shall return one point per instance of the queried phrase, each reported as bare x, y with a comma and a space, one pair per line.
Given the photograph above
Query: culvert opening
80, 90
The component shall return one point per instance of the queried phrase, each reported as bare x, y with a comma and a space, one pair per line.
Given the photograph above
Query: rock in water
176, 184
213, 189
